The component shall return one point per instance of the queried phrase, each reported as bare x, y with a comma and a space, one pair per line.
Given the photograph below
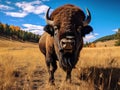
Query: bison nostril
63, 43
73, 43
67, 45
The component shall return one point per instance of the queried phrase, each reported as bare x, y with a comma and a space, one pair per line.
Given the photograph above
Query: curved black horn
88, 19
48, 21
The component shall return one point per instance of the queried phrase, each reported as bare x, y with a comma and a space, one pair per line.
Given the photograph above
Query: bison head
68, 26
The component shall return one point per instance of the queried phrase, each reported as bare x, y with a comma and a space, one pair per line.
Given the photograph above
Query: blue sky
29, 14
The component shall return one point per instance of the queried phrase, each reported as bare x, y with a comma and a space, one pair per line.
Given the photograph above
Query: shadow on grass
101, 78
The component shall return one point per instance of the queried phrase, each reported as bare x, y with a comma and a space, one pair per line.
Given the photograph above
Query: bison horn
88, 19
48, 21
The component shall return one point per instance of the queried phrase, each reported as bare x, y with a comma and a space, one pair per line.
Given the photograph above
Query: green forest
15, 33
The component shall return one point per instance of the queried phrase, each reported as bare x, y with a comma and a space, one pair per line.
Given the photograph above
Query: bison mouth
68, 51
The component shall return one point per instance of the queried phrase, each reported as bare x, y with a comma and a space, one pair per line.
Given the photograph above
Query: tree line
14, 32
117, 43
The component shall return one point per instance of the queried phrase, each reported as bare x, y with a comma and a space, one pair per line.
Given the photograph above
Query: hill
6, 42
109, 40
106, 38
109, 43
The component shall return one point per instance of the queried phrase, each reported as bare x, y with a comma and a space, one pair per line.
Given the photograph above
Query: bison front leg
68, 76
52, 66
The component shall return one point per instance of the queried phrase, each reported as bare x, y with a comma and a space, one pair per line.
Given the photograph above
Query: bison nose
67, 43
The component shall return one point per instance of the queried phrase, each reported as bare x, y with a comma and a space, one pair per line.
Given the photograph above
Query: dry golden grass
22, 67
15, 55
104, 56
109, 43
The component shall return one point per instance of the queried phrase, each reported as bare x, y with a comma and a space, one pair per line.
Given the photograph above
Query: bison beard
63, 38
67, 61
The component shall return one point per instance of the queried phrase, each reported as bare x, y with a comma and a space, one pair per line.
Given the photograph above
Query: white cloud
17, 14
90, 37
5, 7
33, 28
25, 8
25, 4
40, 9
115, 30
37, 32
35, 7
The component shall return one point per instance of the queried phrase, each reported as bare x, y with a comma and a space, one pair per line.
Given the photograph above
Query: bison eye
79, 29
55, 27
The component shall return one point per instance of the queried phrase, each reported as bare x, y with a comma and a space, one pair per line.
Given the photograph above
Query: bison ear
86, 30
49, 30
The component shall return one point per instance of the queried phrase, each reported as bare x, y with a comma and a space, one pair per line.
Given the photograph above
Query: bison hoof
68, 81
51, 82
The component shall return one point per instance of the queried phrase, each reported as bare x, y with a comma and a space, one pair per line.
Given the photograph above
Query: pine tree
1, 28
118, 37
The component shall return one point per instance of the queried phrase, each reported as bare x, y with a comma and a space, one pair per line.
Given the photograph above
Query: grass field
22, 67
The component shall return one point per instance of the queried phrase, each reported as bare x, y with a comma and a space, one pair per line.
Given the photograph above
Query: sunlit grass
105, 56
26, 58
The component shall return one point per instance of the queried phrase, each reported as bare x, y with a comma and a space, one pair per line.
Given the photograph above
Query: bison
62, 40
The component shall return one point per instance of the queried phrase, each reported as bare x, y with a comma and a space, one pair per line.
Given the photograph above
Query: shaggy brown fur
67, 22
66, 16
